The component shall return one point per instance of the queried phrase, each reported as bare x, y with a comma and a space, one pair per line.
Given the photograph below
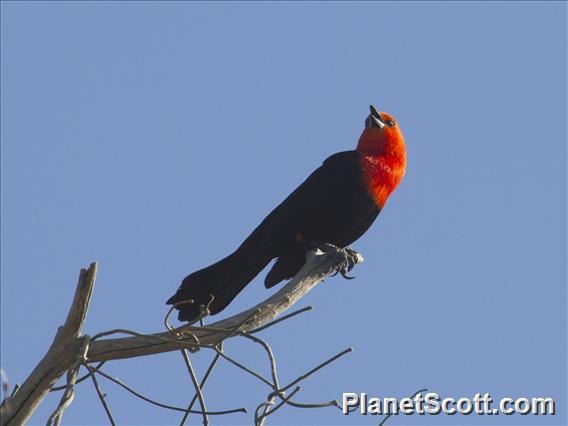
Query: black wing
330, 206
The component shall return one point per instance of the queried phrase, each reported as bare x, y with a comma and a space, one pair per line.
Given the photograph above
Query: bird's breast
381, 175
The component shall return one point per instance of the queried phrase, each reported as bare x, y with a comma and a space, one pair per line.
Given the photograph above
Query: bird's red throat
383, 162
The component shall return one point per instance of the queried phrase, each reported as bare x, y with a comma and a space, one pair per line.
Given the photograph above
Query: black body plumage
331, 206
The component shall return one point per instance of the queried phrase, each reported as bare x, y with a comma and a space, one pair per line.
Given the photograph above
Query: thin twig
262, 418
262, 405
203, 381
270, 354
279, 392
319, 367
204, 312
223, 333
268, 412
99, 392
283, 318
333, 403
241, 366
175, 305
275, 385
66, 399
196, 386
79, 380
169, 407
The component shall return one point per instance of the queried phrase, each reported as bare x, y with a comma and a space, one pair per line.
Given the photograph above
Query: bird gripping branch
335, 205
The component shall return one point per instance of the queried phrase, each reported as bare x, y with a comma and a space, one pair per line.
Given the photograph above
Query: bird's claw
351, 258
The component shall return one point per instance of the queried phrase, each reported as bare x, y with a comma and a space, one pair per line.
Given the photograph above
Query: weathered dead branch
318, 266
69, 350
61, 356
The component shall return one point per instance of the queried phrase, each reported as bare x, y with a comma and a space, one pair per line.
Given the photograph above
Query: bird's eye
390, 123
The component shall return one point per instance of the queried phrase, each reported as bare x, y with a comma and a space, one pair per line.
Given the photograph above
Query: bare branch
69, 350
60, 357
78, 312
317, 267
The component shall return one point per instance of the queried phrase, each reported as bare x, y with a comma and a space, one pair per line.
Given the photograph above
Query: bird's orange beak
374, 120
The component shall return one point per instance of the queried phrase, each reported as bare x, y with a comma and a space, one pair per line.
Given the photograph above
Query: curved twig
167, 406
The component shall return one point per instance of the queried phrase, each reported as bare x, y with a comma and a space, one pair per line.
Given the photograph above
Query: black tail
222, 280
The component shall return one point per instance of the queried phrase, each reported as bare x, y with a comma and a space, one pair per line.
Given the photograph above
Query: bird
335, 205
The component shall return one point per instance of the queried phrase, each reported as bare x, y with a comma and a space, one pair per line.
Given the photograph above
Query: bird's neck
383, 168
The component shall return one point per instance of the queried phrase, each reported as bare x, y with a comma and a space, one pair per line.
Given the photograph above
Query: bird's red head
383, 155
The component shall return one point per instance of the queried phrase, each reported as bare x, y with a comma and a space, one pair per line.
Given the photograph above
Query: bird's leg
351, 258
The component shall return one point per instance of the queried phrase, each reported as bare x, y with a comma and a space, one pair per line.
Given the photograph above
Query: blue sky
153, 137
